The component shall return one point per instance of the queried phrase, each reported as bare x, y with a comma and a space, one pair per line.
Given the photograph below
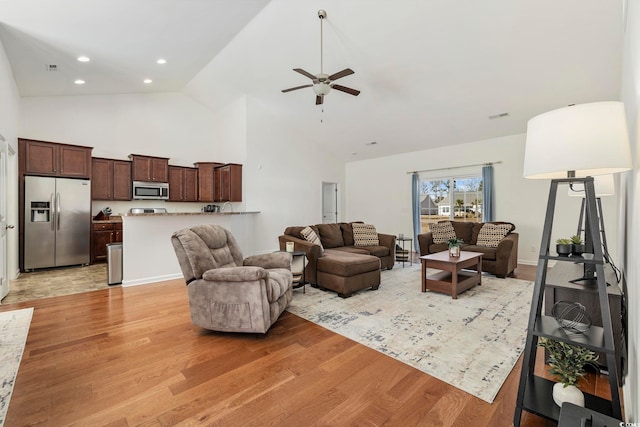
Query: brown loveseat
339, 265
501, 261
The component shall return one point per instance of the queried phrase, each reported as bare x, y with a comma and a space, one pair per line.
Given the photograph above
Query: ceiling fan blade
295, 88
319, 99
345, 89
305, 73
341, 74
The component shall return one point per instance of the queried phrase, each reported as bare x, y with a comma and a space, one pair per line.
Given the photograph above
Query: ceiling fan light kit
323, 83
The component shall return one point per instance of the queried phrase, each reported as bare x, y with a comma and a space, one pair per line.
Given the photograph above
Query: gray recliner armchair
226, 292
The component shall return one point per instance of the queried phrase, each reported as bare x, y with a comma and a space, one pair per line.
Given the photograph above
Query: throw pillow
491, 235
441, 232
365, 235
311, 236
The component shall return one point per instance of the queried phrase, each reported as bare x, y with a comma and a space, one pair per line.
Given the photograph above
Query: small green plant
567, 362
576, 240
455, 241
563, 241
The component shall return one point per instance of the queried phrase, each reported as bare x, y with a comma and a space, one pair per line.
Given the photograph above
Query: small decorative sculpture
572, 316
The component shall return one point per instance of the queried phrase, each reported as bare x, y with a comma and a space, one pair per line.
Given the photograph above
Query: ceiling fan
323, 83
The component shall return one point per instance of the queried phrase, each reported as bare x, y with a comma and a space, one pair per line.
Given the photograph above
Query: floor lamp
579, 141
604, 187
570, 146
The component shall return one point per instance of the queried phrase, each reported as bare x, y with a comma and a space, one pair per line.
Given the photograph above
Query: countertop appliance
147, 210
57, 223
212, 208
150, 190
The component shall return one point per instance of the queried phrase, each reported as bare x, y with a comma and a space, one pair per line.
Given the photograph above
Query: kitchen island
148, 255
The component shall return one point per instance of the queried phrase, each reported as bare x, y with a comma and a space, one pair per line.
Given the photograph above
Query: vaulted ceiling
430, 72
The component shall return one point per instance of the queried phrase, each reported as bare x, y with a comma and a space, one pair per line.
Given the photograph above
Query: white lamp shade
590, 139
603, 185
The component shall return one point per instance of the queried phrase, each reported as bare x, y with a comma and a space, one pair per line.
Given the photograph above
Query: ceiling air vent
52, 67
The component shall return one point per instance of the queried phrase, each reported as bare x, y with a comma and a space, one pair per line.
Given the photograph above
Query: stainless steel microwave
150, 190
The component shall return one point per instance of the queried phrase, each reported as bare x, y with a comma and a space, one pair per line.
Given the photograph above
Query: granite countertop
191, 213
110, 219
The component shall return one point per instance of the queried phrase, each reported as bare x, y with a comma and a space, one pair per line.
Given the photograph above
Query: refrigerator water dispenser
40, 211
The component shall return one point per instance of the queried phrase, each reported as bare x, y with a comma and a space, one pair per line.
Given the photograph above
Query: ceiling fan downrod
322, 14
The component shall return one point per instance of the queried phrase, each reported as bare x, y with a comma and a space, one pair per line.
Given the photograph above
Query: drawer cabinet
103, 233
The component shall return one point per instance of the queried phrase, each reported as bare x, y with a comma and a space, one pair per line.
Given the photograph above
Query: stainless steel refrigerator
57, 222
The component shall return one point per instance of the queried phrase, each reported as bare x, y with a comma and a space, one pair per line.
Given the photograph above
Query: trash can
114, 263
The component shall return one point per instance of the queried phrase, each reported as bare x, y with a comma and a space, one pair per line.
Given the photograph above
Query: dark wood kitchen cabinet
183, 184
53, 159
149, 168
228, 179
206, 181
103, 233
111, 179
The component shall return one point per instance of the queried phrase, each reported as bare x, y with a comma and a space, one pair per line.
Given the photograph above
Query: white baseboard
147, 280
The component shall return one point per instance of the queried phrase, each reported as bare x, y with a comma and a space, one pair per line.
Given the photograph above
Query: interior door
4, 274
329, 202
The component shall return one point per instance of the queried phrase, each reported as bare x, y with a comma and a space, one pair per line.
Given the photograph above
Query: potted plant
567, 362
577, 245
454, 247
563, 247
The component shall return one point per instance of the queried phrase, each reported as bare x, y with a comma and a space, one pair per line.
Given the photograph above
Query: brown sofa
501, 261
341, 266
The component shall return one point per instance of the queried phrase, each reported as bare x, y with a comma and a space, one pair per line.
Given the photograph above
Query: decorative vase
570, 393
578, 249
454, 251
563, 250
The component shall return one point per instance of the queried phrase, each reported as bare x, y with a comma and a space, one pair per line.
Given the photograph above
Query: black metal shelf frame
534, 392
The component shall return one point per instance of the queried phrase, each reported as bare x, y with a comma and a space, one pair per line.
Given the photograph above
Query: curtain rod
456, 167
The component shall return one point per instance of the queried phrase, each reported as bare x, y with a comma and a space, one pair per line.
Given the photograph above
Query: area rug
14, 327
471, 343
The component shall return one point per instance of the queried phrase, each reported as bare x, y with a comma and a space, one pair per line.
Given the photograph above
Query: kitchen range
147, 210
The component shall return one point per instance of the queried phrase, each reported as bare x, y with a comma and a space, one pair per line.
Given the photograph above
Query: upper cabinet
183, 184
150, 169
228, 180
52, 159
111, 179
206, 181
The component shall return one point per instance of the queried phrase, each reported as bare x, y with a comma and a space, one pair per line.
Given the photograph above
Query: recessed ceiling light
148, 81
161, 61
79, 82
84, 59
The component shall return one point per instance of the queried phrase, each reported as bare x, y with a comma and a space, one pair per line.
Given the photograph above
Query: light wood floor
130, 356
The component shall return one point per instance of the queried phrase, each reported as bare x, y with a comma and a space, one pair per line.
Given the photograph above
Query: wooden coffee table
451, 279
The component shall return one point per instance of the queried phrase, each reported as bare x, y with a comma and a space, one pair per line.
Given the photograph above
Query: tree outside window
454, 198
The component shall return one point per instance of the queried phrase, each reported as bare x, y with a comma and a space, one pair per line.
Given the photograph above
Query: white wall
378, 191
166, 125
284, 171
630, 227
9, 110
